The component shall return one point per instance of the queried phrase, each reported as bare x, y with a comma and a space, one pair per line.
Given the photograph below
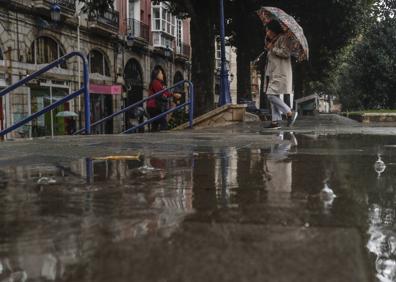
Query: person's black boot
292, 119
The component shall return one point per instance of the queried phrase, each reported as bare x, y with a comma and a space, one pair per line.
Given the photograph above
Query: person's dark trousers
159, 124
163, 123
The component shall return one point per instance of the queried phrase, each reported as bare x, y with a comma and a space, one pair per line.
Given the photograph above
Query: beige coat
278, 74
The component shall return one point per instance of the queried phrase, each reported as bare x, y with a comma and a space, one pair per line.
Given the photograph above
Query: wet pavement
227, 204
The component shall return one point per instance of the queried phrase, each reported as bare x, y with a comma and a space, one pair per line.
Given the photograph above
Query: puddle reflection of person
278, 169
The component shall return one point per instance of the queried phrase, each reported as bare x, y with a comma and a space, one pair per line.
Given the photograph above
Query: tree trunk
299, 75
244, 84
203, 60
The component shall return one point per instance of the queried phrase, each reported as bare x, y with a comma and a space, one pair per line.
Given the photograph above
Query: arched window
134, 86
177, 78
98, 63
133, 74
45, 50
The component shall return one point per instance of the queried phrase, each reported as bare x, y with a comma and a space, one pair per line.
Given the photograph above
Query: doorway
134, 86
101, 107
49, 124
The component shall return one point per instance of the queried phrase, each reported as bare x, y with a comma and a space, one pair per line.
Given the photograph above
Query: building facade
231, 65
230, 54
122, 46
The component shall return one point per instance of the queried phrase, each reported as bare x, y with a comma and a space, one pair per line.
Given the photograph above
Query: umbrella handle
259, 57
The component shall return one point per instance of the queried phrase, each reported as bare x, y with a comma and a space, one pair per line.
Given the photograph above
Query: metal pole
191, 116
79, 73
29, 111
89, 170
225, 97
87, 107
52, 114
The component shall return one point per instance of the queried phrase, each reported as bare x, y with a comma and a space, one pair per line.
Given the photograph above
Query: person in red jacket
159, 104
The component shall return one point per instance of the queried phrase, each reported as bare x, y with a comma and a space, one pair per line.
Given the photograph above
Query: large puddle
103, 220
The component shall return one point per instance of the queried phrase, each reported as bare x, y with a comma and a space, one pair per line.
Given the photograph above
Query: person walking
278, 74
159, 104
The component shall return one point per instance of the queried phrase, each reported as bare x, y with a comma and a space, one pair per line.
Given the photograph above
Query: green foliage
366, 76
97, 6
177, 118
329, 26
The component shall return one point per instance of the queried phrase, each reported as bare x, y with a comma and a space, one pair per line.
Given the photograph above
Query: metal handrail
84, 90
190, 103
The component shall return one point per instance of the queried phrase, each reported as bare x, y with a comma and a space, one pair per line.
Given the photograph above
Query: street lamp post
225, 97
78, 12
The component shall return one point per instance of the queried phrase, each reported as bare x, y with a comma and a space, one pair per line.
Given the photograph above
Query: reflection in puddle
382, 234
379, 166
328, 196
59, 218
55, 217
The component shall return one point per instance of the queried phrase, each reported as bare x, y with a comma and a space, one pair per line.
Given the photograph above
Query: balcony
183, 50
16, 4
68, 7
139, 31
107, 23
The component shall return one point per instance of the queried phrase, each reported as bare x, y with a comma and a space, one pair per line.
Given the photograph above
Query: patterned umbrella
66, 114
298, 42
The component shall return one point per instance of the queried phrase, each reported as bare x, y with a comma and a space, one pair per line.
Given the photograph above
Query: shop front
52, 123
102, 106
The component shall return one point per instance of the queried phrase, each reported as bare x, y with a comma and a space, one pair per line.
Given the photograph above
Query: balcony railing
138, 30
184, 50
107, 19
67, 6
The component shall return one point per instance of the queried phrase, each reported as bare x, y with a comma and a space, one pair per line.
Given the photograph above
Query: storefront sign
105, 89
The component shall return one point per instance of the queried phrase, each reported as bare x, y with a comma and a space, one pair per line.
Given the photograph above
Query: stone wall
221, 116
372, 117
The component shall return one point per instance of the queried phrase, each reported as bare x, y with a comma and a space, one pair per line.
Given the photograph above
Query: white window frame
58, 49
179, 33
104, 62
136, 10
167, 20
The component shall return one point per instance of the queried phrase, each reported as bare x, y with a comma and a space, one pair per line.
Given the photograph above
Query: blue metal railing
84, 90
189, 103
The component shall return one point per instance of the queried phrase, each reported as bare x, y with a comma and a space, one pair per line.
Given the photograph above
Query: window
179, 33
163, 20
179, 89
218, 49
131, 9
98, 63
156, 19
1, 55
162, 40
218, 54
45, 50
134, 9
163, 26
